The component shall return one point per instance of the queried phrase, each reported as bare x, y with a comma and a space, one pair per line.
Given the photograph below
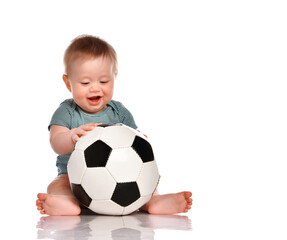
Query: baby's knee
59, 181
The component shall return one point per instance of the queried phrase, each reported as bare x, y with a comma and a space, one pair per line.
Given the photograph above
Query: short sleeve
62, 116
128, 119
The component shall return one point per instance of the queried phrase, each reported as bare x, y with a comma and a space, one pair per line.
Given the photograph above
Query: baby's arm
63, 140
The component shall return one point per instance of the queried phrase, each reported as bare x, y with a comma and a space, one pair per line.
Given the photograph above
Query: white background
205, 80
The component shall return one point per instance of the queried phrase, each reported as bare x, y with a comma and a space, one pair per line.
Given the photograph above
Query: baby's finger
75, 138
89, 126
79, 131
94, 124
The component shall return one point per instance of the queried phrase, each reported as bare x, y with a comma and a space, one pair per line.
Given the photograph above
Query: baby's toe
188, 194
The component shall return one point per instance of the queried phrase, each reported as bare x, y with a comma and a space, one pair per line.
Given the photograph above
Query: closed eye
103, 82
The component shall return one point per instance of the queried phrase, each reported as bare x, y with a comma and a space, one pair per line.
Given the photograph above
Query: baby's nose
95, 87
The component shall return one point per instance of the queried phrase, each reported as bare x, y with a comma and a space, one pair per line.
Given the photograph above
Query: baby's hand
82, 131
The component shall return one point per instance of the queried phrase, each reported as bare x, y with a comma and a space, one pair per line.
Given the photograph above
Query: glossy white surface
207, 220
135, 226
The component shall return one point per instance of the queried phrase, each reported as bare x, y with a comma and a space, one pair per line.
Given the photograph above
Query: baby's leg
59, 199
169, 203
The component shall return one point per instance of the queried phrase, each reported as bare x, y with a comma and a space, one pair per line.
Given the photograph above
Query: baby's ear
67, 82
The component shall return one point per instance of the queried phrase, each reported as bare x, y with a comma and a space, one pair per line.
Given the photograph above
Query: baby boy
91, 69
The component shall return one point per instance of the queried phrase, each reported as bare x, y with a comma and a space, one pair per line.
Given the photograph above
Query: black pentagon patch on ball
143, 149
97, 154
126, 193
81, 194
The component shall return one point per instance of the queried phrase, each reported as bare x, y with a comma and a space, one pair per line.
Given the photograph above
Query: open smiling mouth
95, 100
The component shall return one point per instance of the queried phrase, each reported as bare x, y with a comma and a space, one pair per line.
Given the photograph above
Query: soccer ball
112, 170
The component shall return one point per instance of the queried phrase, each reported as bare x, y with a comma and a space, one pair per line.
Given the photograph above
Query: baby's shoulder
116, 105
68, 104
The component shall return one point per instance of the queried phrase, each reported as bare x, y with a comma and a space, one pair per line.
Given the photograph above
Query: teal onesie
70, 115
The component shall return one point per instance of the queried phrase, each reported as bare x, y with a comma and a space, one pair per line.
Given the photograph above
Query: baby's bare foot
57, 205
169, 203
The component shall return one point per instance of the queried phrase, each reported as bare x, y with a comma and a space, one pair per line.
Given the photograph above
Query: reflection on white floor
135, 226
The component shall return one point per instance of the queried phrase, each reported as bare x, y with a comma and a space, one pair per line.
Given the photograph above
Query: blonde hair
86, 46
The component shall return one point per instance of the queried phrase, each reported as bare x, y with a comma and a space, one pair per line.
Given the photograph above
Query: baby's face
92, 83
